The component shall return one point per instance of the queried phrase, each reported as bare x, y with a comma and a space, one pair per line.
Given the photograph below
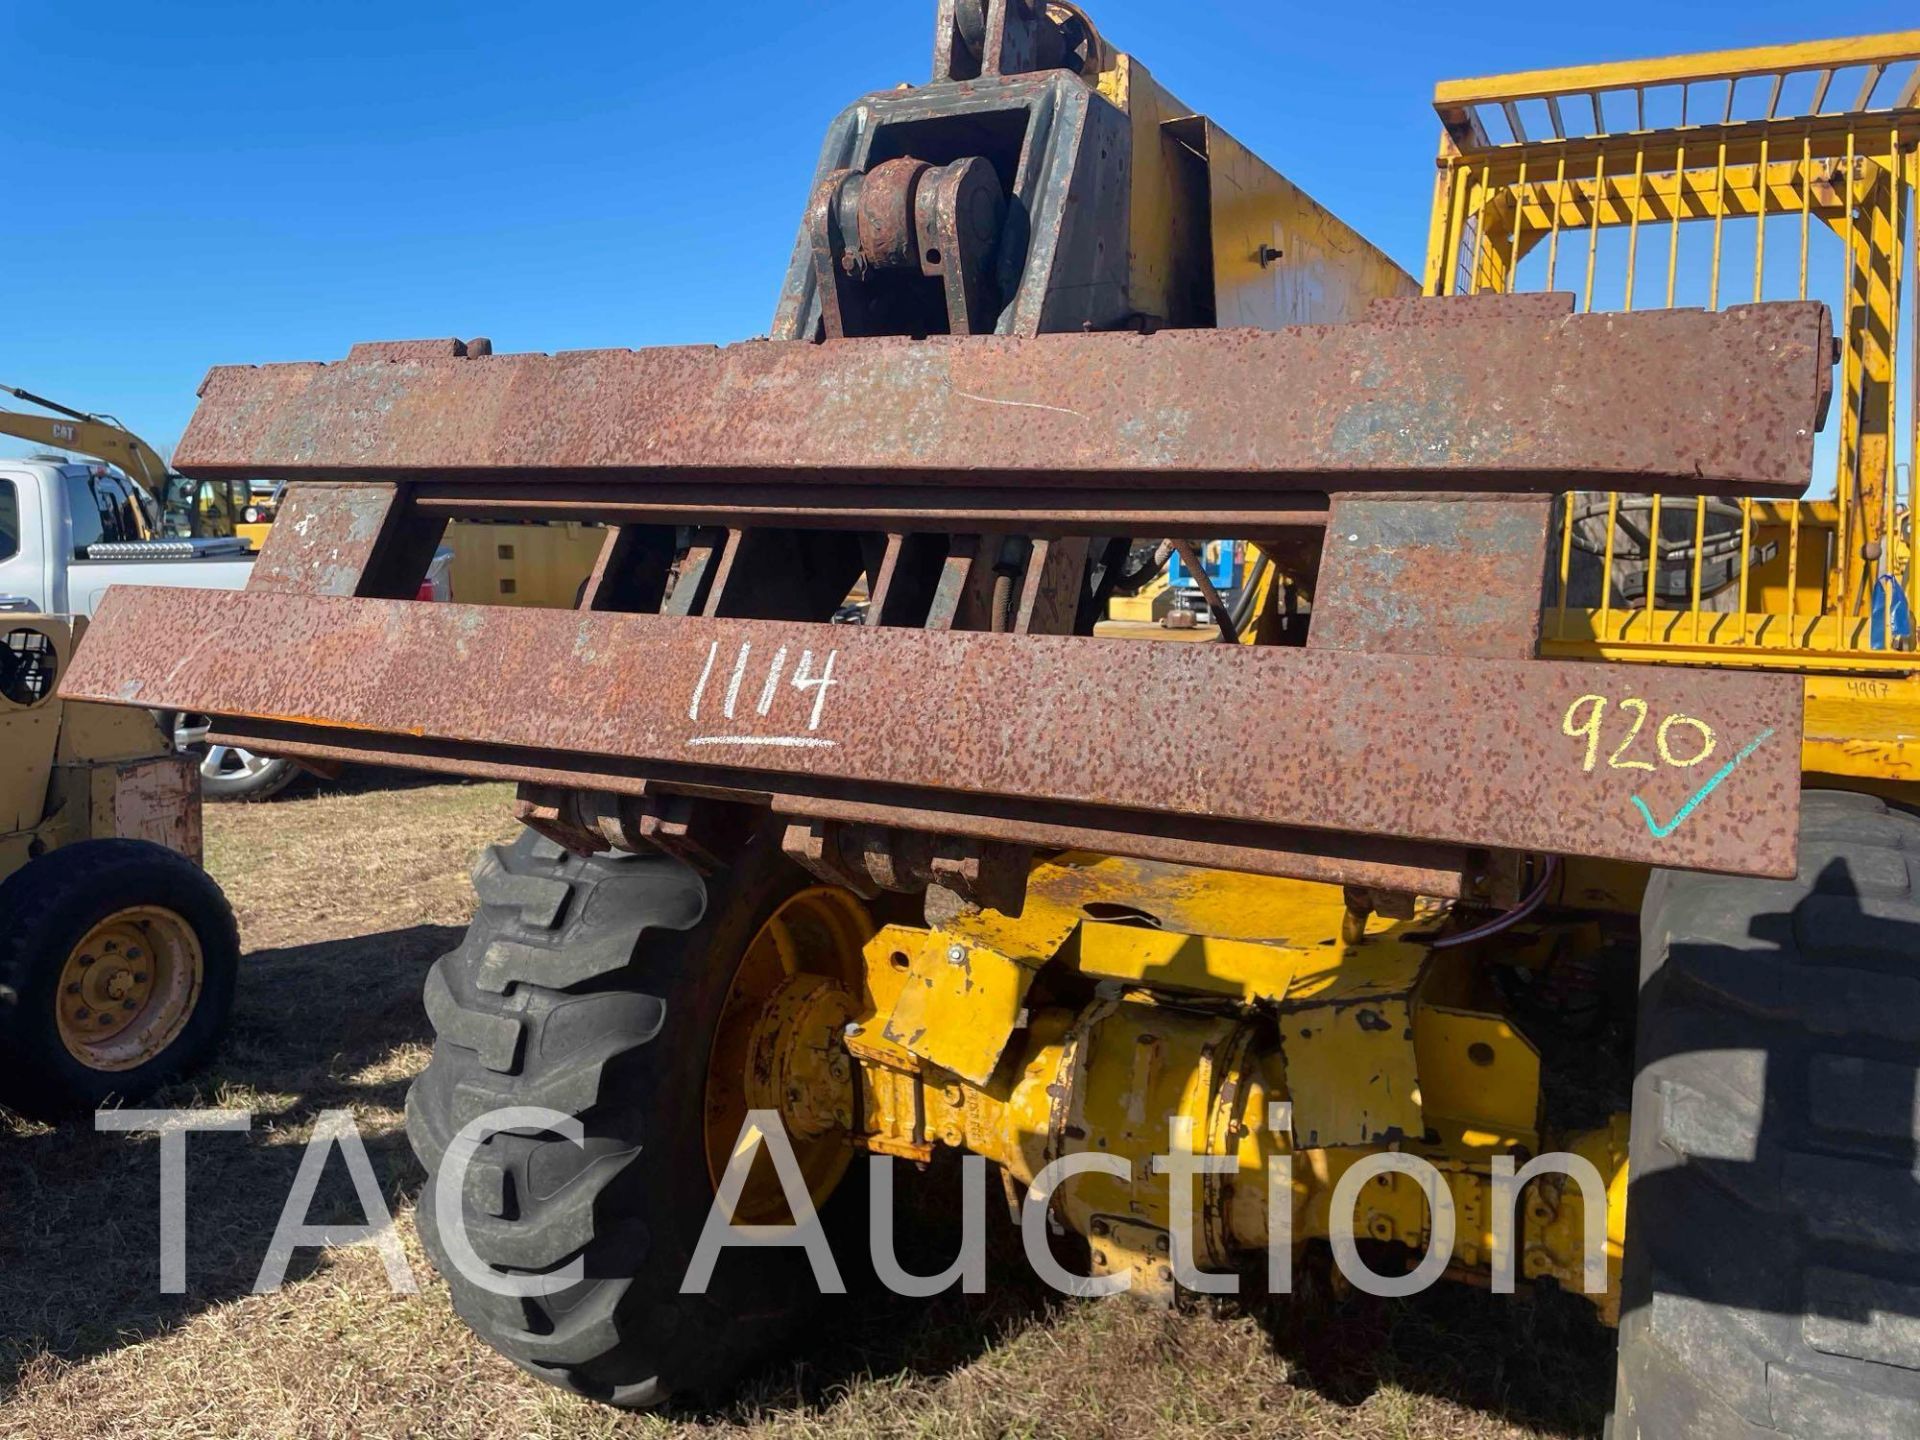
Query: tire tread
1773, 1274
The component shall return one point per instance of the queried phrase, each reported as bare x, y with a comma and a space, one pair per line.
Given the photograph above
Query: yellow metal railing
1713, 180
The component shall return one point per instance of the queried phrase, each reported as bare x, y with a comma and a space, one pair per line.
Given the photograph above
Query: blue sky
208, 183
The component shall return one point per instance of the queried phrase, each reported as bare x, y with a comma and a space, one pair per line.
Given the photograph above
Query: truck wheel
117, 967
1772, 1282
226, 771
624, 992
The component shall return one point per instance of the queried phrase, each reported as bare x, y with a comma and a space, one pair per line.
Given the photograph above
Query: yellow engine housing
1262, 1016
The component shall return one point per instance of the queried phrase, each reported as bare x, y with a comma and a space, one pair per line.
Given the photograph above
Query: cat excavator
187, 509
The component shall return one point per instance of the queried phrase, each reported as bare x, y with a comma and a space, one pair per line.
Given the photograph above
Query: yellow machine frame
1700, 179
71, 771
1217, 996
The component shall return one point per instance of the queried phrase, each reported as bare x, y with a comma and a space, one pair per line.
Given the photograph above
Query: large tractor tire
118, 960
614, 990
1772, 1282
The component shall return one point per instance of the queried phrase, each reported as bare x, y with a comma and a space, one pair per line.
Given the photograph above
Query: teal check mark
1660, 832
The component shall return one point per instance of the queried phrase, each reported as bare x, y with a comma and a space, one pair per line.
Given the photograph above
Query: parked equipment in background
68, 531
1337, 898
189, 509
118, 955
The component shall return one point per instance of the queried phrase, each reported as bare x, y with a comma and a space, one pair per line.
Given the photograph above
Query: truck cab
68, 530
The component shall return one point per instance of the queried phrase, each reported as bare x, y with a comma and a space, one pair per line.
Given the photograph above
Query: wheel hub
127, 989
778, 1046
798, 1064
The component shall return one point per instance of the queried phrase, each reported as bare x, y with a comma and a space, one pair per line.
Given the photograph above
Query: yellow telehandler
1226, 953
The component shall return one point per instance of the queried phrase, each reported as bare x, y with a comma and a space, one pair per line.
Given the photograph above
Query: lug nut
956, 954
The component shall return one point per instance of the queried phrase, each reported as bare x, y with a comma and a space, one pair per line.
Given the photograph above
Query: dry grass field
345, 895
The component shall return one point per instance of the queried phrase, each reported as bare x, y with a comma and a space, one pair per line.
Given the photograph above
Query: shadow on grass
316, 1027
1541, 1362
871, 1334
340, 1024
359, 780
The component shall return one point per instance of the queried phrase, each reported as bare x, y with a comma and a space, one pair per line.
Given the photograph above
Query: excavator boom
98, 436
202, 510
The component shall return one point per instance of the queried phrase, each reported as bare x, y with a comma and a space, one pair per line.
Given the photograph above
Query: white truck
69, 530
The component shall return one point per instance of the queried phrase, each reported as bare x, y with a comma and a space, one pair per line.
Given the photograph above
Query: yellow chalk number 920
1680, 740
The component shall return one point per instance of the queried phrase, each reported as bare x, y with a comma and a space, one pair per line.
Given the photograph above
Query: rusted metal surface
347, 540
590, 822
1682, 401
328, 538
1051, 589
1188, 513
1503, 754
1431, 311
1433, 575
1450, 872
1062, 158
961, 210
908, 247
883, 213
448, 349
1417, 867
868, 859
1005, 37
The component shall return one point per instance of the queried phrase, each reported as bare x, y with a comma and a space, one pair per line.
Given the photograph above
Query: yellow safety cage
1746, 175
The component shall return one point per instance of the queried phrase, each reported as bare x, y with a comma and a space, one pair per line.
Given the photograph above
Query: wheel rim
217, 762
230, 762
805, 966
127, 990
